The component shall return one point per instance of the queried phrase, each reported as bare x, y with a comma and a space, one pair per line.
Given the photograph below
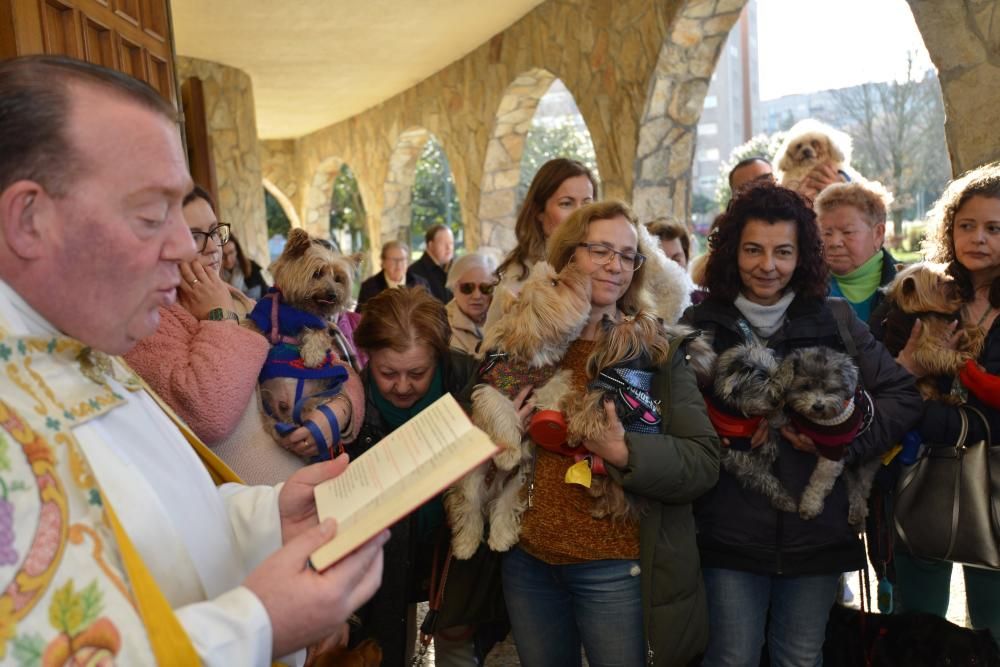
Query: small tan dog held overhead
808, 144
926, 291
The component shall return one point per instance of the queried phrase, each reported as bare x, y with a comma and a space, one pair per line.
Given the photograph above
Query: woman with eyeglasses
205, 365
626, 588
471, 281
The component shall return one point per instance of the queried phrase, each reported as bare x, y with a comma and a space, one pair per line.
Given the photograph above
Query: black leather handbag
948, 502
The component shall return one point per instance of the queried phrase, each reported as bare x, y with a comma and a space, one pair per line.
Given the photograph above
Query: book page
406, 469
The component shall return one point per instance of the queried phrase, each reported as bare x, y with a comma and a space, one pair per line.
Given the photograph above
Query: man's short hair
667, 230
432, 231
34, 115
392, 245
744, 162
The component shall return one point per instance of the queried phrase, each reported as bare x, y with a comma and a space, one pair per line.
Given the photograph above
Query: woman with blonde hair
577, 579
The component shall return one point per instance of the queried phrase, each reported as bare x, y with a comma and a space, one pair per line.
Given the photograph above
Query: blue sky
808, 45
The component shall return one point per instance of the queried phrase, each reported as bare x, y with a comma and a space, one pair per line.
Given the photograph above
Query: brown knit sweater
558, 527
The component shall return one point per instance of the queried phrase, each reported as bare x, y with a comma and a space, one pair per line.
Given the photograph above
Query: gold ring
195, 282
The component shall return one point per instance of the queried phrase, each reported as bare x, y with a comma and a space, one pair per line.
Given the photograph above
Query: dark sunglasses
485, 289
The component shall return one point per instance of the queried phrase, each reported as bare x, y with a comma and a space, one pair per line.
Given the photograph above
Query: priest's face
116, 237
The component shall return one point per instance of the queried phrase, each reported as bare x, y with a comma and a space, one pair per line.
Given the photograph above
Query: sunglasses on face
485, 289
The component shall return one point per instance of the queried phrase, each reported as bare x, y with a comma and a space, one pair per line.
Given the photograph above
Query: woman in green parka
629, 590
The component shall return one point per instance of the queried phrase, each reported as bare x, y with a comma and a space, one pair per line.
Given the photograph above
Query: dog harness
284, 326
735, 426
630, 389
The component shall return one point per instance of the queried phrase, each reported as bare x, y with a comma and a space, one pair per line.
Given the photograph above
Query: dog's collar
727, 423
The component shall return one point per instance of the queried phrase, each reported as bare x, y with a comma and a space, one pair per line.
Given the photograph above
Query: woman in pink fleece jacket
205, 365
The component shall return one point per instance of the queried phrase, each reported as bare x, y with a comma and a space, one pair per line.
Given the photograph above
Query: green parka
670, 475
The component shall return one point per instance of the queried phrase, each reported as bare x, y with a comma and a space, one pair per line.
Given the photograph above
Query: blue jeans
553, 608
925, 585
740, 605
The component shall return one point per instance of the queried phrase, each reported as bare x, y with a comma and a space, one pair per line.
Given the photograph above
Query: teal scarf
861, 283
395, 417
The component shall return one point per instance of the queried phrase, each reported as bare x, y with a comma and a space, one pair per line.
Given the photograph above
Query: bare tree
898, 132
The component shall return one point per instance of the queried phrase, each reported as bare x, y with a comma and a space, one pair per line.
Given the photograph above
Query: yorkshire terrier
523, 347
747, 389
312, 286
827, 404
620, 369
926, 291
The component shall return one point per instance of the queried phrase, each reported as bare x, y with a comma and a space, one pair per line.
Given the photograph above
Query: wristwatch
219, 314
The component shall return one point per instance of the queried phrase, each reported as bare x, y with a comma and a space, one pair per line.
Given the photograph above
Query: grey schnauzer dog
826, 403
749, 381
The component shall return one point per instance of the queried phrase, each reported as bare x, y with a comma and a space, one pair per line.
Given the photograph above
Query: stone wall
638, 71
232, 127
963, 39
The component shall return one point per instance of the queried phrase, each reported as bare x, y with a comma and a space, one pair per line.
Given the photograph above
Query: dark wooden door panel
60, 29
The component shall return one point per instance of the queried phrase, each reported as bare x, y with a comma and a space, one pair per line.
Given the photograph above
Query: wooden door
132, 36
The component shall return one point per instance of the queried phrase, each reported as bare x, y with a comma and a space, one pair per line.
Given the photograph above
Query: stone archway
284, 202
398, 191
502, 166
668, 129
317, 199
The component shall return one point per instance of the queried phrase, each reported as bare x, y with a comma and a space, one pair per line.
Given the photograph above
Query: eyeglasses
219, 234
601, 254
485, 289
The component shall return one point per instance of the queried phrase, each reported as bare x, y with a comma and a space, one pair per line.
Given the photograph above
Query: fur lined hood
667, 291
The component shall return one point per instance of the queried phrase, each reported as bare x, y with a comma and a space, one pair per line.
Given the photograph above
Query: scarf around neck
765, 320
861, 283
395, 417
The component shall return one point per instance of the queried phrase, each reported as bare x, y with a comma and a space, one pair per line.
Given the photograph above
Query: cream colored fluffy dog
808, 144
523, 349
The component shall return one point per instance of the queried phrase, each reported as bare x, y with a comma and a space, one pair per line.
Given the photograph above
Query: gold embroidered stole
75, 588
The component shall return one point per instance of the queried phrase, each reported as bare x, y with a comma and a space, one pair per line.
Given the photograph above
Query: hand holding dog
611, 445
800, 442
950, 341
818, 179
758, 438
300, 441
201, 291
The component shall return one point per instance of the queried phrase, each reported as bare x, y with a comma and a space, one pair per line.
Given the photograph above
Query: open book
406, 469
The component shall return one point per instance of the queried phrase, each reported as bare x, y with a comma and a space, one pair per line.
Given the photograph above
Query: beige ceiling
316, 62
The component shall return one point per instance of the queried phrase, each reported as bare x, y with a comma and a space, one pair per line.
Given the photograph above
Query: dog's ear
834, 149
298, 243
909, 286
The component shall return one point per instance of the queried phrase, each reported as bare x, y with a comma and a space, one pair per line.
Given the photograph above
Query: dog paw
810, 509
508, 458
785, 504
465, 540
856, 515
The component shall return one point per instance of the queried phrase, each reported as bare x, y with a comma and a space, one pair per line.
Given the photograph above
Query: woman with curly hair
765, 568
964, 232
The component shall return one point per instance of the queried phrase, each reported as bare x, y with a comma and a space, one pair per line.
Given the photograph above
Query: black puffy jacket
738, 528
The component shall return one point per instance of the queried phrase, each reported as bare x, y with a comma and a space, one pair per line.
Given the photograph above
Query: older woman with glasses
205, 365
471, 281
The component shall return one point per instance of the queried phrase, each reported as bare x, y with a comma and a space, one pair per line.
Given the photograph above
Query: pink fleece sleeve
206, 371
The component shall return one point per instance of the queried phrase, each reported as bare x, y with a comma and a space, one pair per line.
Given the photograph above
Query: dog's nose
817, 407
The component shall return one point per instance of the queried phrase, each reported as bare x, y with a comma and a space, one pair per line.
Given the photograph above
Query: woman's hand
524, 406
301, 441
905, 358
611, 445
803, 443
202, 291
758, 438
